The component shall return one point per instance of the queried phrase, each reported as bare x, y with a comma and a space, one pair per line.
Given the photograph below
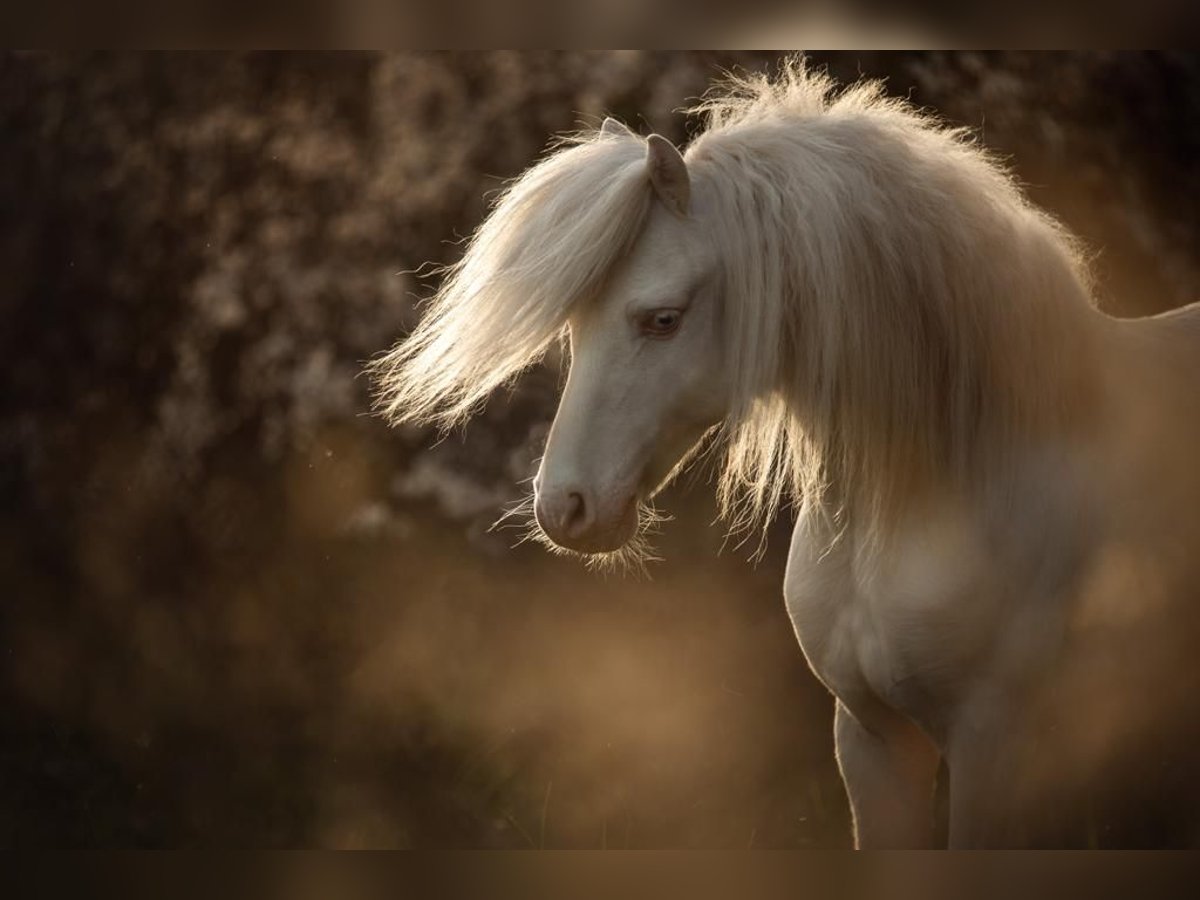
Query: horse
852, 308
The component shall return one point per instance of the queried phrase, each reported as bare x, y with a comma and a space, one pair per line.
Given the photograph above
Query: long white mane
895, 310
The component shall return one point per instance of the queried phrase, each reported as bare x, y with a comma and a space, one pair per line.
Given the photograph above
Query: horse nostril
576, 514
564, 513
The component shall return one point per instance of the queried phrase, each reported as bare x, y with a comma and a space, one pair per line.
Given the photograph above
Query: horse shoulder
896, 632
918, 626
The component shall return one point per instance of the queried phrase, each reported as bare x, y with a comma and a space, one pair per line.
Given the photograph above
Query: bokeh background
239, 610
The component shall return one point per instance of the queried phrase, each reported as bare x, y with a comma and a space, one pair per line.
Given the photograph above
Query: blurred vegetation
239, 611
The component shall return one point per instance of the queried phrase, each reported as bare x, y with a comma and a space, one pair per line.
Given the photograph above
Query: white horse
996, 485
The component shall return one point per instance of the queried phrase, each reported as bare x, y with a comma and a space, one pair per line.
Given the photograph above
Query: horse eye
661, 322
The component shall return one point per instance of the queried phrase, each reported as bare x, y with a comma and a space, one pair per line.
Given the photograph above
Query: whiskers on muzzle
633, 558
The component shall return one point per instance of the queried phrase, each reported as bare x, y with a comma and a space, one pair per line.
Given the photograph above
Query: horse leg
889, 774
985, 786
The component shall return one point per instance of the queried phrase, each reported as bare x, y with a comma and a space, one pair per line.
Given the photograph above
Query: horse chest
908, 635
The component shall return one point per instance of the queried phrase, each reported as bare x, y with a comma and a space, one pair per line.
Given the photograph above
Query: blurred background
238, 610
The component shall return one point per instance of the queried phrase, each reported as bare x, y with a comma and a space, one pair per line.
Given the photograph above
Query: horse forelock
550, 240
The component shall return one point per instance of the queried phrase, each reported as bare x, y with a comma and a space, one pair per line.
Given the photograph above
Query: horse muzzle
574, 518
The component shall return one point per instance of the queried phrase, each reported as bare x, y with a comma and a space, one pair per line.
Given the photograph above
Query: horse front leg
989, 806
889, 772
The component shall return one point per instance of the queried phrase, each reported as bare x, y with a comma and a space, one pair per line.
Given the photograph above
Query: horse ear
613, 128
668, 173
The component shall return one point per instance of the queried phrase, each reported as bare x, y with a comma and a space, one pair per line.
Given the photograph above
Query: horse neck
1027, 376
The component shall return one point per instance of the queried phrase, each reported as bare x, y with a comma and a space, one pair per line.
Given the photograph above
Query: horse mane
896, 312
